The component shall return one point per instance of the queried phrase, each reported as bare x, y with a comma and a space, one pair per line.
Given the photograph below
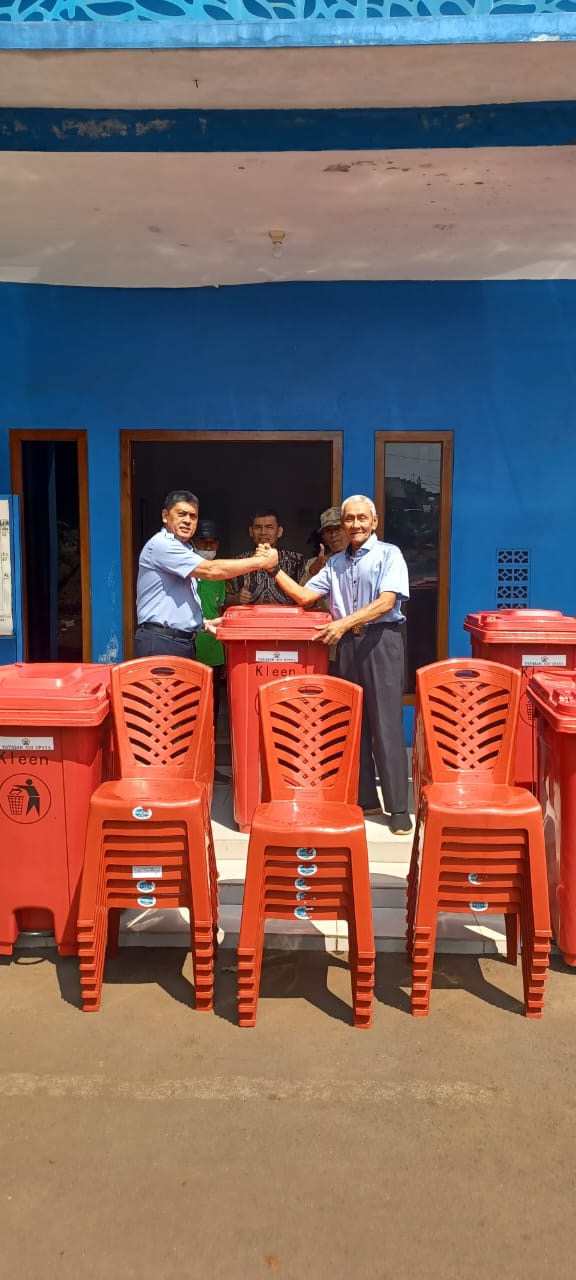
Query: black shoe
401, 824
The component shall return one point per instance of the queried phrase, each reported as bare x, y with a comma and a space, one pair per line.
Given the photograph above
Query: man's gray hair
360, 497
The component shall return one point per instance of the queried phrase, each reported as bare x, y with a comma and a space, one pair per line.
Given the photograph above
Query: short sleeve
175, 557
394, 573
321, 582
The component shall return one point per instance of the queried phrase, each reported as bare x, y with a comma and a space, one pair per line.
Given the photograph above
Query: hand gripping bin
525, 639
54, 733
263, 642
554, 699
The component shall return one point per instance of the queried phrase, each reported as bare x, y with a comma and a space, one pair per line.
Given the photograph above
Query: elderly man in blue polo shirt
167, 602
365, 586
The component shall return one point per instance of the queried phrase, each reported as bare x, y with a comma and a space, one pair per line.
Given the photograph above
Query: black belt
362, 628
172, 632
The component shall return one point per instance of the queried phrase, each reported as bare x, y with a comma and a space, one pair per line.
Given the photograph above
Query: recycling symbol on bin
24, 798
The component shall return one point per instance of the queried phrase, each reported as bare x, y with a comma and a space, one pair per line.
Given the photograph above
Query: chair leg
537, 947
249, 972
422, 966
91, 953
114, 915
535, 963
251, 939
202, 947
512, 926
365, 955
202, 922
412, 888
425, 918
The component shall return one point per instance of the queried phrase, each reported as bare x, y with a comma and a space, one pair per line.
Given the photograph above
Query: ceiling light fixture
277, 237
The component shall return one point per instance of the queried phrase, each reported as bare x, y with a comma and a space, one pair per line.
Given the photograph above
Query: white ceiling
392, 76
137, 220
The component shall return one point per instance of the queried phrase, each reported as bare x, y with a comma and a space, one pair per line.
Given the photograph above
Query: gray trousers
375, 661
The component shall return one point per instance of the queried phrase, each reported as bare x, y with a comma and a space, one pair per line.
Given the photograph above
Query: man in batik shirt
258, 587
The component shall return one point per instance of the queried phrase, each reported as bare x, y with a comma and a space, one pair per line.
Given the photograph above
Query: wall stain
153, 126
91, 128
111, 651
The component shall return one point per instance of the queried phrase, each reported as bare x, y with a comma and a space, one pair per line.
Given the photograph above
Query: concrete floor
150, 1141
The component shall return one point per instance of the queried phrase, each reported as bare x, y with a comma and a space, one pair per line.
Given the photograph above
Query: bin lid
522, 626
555, 697
54, 693
271, 622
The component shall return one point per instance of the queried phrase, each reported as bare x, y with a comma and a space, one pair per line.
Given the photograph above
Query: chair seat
481, 797
303, 818
146, 792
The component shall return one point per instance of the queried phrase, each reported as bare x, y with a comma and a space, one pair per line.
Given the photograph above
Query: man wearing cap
209, 650
365, 585
167, 602
332, 539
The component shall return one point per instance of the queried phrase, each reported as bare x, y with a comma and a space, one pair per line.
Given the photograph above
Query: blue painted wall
492, 362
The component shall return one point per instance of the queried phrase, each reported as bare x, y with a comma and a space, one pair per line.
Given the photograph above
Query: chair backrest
310, 738
466, 722
162, 713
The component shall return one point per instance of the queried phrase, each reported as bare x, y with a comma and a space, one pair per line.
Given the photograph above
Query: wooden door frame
128, 438
80, 437
446, 439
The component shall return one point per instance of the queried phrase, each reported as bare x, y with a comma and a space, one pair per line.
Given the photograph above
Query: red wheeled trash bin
263, 642
54, 733
525, 639
554, 699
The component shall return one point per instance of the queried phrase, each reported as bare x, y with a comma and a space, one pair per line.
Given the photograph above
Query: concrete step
465, 934
389, 861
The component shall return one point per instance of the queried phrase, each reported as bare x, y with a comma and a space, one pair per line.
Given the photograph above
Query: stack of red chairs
479, 841
307, 855
149, 837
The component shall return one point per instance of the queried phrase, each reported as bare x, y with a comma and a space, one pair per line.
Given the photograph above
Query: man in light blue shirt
167, 602
365, 586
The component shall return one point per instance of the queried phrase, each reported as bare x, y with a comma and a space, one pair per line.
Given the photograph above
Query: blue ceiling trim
525, 124
171, 33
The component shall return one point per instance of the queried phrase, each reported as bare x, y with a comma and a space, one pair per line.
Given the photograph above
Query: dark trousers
375, 661
148, 644
218, 674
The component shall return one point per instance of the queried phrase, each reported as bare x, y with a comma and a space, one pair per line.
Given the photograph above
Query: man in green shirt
209, 650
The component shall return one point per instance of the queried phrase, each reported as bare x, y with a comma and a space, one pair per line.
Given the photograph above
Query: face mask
207, 555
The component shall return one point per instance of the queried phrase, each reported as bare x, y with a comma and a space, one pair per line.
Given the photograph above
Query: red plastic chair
149, 837
478, 840
307, 855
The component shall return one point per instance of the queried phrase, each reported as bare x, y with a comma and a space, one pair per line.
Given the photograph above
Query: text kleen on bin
53, 738
263, 642
554, 699
527, 640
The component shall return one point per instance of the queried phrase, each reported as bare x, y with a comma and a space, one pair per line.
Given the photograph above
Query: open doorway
296, 473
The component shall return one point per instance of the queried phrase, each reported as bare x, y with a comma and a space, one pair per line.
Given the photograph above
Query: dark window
417, 479
51, 529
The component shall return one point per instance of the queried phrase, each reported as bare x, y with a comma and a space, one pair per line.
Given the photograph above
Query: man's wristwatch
272, 572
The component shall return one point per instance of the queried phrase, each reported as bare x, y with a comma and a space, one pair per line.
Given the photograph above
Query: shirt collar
366, 546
